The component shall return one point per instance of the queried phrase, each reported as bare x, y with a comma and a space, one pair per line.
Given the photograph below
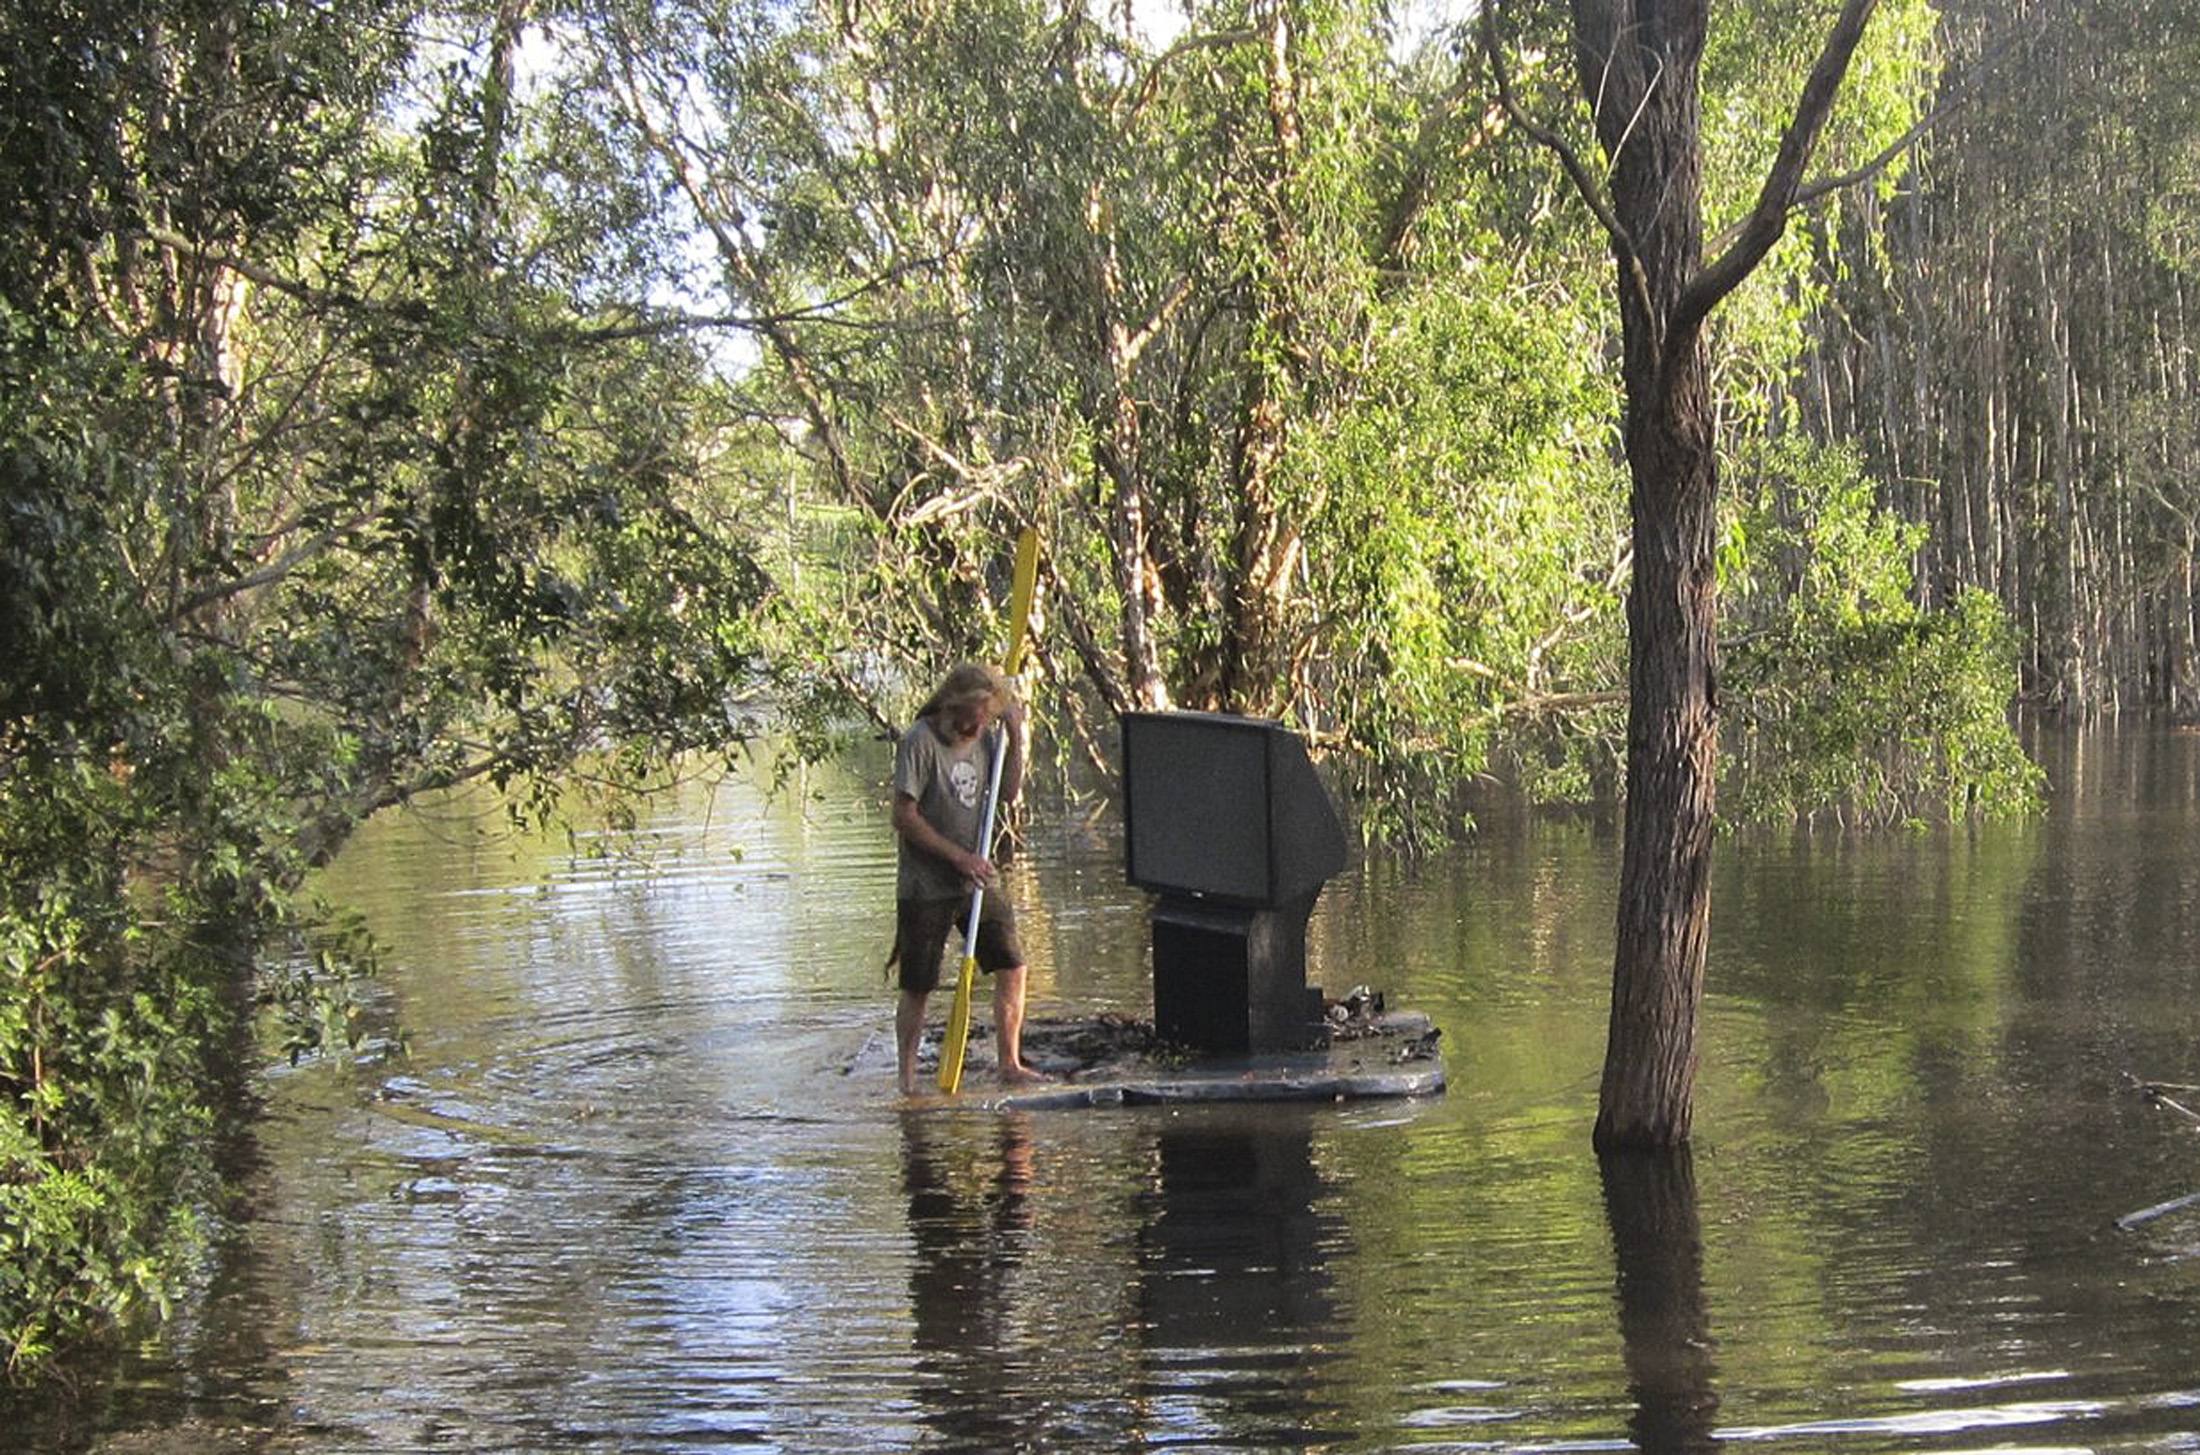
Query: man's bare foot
1023, 1076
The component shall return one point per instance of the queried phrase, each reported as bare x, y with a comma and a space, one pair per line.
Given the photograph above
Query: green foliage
1363, 422
1753, 71
1468, 553
326, 485
1754, 65
102, 1016
1843, 697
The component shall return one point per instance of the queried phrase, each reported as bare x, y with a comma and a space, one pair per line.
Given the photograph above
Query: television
1225, 808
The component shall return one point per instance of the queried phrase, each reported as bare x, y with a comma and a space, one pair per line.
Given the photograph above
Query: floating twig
2148, 1214
2157, 1094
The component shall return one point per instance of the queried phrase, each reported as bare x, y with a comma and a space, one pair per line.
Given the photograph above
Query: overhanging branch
1952, 98
1623, 243
1768, 219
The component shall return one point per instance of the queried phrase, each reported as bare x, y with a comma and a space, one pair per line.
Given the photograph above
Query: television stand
1231, 980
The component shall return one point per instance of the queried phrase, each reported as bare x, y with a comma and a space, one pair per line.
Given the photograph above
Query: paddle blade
957, 1038
1024, 587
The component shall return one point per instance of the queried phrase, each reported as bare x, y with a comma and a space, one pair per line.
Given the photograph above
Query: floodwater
637, 1180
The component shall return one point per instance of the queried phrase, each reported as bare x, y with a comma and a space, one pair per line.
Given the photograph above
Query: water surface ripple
633, 1178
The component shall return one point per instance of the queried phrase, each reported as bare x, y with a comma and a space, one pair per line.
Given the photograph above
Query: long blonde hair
969, 683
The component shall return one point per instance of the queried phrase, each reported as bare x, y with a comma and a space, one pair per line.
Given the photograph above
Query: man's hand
977, 870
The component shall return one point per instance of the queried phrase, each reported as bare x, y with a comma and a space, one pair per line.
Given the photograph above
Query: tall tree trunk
1256, 666
1638, 64
2183, 689
1672, 767
1115, 417
1134, 573
1643, 60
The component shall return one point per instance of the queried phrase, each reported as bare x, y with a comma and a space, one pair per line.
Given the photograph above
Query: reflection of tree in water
1657, 1242
212, 1367
971, 1225
1234, 1281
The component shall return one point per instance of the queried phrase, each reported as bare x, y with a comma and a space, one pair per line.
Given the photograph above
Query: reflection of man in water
941, 770
967, 1246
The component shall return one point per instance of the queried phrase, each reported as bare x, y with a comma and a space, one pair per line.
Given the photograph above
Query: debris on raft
1355, 1016
1363, 1050
1094, 1044
1087, 1045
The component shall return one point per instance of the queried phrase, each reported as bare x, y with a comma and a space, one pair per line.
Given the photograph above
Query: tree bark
1118, 456
1256, 667
1638, 63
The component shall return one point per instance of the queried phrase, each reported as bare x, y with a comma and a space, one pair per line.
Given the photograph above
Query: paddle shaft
985, 843
952, 1048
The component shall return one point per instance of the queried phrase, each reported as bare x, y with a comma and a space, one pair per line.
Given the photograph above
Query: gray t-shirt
949, 784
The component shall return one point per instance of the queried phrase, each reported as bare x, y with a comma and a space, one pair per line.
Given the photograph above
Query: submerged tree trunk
1638, 63
1647, 64
1672, 767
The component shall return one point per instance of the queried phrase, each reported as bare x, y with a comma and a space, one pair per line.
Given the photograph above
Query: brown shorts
922, 928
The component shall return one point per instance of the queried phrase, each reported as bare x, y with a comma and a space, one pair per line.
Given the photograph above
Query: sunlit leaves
1847, 699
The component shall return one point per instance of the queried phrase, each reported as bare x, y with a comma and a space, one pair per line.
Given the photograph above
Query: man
941, 771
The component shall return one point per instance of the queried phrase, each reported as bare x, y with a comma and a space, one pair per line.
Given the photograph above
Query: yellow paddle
957, 1039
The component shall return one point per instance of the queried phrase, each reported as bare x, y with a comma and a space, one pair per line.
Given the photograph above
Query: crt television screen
1226, 807
1196, 794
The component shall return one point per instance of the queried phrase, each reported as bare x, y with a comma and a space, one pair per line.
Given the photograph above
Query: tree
1844, 696
1202, 311
1638, 63
337, 471
2018, 351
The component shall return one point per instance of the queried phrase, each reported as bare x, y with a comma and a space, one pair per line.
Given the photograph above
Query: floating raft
1115, 1061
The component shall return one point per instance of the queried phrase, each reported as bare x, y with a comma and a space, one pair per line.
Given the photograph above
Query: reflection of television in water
1225, 808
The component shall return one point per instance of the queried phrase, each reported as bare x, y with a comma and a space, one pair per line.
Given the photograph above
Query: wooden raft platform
1117, 1061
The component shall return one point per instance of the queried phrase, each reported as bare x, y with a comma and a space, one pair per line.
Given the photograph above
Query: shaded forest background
398, 395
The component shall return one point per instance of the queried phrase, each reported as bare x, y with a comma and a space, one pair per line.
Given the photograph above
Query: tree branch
1623, 244
1135, 344
332, 298
269, 574
1184, 46
645, 322
1768, 219
1827, 186
1951, 99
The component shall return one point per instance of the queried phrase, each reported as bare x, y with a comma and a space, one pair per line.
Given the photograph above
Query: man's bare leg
1008, 1027
908, 1033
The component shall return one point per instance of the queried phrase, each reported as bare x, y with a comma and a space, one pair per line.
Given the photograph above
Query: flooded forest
1652, 454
